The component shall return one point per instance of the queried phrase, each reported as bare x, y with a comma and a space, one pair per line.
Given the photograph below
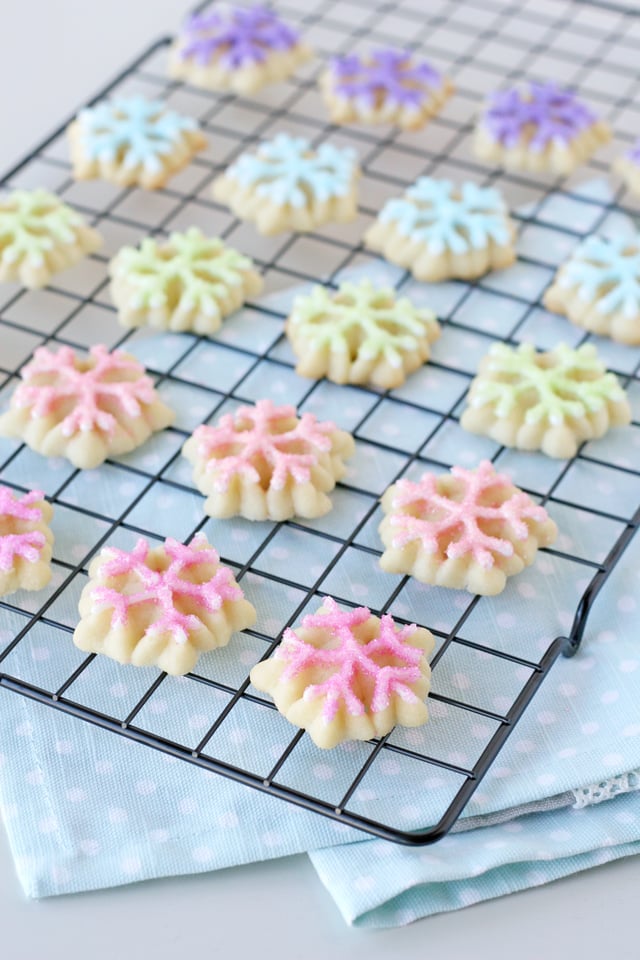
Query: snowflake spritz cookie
360, 334
132, 141
190, 282
348, 675
628, 168
599, 288
39, 236
240, 50
387, 86
440, 231
290, 185
544, 401
84, 408
25, 541
266, 463
161, 606
467, 529
540, 128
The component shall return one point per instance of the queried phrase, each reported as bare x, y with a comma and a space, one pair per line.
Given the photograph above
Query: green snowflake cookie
190, 282
360, 334
544, 401
39, 236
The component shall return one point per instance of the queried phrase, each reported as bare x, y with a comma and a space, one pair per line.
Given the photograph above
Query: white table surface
45, 73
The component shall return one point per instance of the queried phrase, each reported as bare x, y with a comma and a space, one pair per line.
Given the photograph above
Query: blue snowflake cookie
132, 141
440, 231
598, 288
290, 185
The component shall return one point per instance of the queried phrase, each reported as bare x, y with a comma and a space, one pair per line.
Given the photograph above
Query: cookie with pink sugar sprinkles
349, 675
266, 463
84, 408
25, 541
466, 529
160, 606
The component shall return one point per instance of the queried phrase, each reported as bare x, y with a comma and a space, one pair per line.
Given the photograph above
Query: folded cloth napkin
86, 809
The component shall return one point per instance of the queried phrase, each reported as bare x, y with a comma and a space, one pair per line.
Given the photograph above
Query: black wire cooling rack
482, 44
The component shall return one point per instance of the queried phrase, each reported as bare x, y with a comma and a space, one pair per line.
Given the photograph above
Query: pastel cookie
349, 675
386, 86
627, 168
240, 50
132, 141
25, 541
190, 282
544, 401
266, 463
290, 185
466, 529
162, 606
40, 236
84, 408
440, 231
541, 128
598, 288
360, 334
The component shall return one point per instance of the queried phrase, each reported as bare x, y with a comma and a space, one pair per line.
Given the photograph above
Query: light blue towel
86, 809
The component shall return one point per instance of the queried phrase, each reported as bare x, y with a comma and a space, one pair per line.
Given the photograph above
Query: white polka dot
228, 820
525, 746
546, 718
322, 771
145, 787
118, 690
565, 618
48, 825
506, 620
469, 895
364, 795
63, 747
560, 835
501, 773
203, 854
628, 666
159, 836
164, 501
606, 636
35, 778
131, 865
589, 728
239, 535
90, 848
389, 766
527, 590
633, 730
610, 696
480, 731
24, 729
625, 816
103, 767
585, 663
127, 489
613, 760
239, 735
117, 815
494, 844
188, 805
40, 654
626, 603
198, 721
461, 681
76, 795
359, 589
157, 707
279, 553
546, 779
567, 753
568, 690
364, 883
272, 839
513, 827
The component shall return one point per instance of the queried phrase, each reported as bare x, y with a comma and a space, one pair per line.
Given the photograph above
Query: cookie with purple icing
386, 86
239, 50
541, 128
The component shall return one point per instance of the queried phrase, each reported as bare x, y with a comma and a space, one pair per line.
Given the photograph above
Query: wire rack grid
287, 568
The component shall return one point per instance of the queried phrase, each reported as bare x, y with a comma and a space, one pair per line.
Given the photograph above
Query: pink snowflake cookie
467, 529
160, 606
266, 463
25, 541
349, 675
84, 408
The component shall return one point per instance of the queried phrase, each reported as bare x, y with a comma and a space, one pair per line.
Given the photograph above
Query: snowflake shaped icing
361, 321
388, 74
351, 659
468, 524
445, 218
238, 444
544, 113
189, 273
132, 131
237, 38
17, 539
91, 388
176, 600
33, 223
606, 272
286, 168
554, 387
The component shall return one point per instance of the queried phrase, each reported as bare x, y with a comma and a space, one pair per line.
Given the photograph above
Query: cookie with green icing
189, 282
441, 231
39, 236
360, 334
544, 401
598, 288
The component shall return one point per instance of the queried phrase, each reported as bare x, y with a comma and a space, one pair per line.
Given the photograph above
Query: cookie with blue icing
441, 231
288, 184
598, 288
132, 141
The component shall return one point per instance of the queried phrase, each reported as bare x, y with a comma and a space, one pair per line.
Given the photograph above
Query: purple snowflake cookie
540, 127
240, 50
386, 86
